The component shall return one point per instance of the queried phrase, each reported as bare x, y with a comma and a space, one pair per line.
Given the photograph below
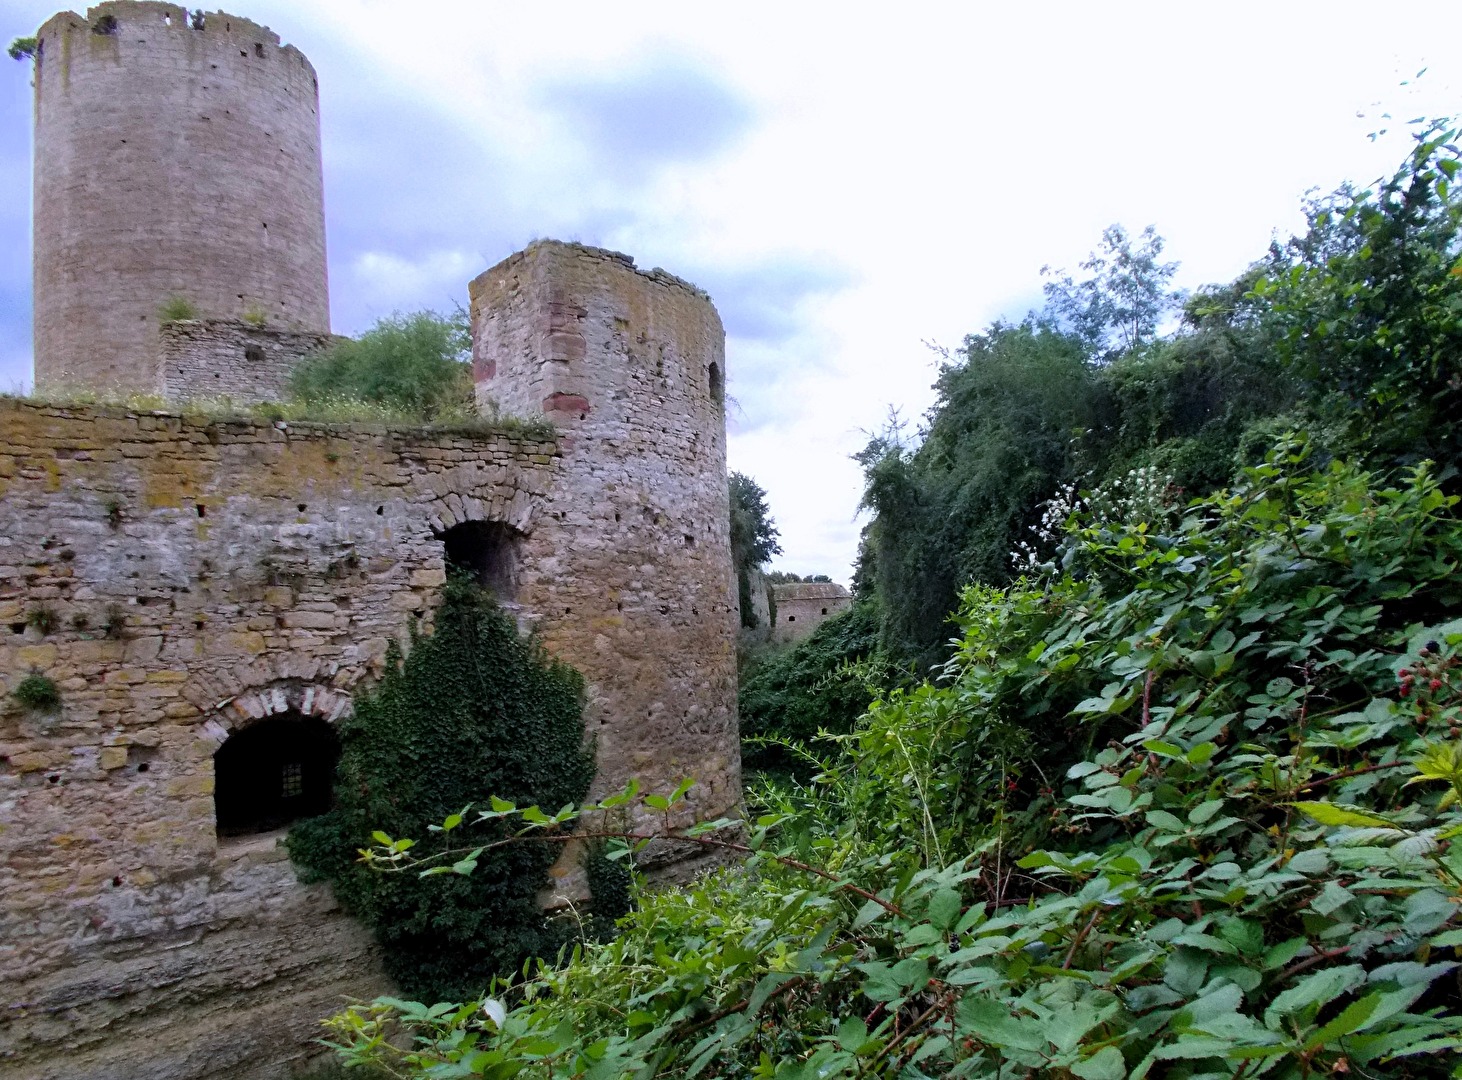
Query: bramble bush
1186, 806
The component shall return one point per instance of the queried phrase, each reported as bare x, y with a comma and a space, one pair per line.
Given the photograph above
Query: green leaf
870, 912
1353, 1018
1204, 811
944, 908
1343, 816
852, 1034
1106, 1064
1165, 821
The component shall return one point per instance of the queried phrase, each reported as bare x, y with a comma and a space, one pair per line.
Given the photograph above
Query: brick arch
329, 703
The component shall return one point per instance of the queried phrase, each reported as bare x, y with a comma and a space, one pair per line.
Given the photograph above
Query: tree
23, 48
1118, 306
1368, 305
753, 537
949, 511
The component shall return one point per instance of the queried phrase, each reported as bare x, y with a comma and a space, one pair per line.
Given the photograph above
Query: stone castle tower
632, 583
176, 155
199, 591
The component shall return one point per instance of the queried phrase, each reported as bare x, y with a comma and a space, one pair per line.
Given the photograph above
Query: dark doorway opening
272, 773
487, 551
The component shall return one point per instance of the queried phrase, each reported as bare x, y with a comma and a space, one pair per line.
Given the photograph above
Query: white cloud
384, 281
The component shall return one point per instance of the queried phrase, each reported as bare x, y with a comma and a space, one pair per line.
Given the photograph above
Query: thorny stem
1309, 962
1347, 774
704, 841
1076, 943
721, 1014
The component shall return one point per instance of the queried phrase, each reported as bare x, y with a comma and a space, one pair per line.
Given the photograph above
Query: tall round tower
627, 572
177, 164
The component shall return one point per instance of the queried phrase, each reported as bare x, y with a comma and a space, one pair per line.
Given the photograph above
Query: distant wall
803, 607
169, 161
246, 363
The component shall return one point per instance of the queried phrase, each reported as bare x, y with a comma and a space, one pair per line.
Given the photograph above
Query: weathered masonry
205, 594
177, 162
187, 603
804, 606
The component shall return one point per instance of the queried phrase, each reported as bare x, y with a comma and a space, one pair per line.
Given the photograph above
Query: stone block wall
179, 579
172, 158
211, 358
633, 582
803, 607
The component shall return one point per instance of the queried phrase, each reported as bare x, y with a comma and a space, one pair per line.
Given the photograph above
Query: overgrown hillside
1185, 795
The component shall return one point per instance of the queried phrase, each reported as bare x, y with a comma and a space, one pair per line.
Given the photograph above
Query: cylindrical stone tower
627, 573
177, 164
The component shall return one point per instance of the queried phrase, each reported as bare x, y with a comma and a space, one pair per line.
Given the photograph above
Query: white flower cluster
1143, 494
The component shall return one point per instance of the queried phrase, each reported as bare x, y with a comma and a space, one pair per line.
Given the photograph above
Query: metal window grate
292, 780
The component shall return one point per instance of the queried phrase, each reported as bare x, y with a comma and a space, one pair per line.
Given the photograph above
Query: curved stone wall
633, 582
174, 158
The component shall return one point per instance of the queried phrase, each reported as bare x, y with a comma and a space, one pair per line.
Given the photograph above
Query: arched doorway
488, 552
272, 773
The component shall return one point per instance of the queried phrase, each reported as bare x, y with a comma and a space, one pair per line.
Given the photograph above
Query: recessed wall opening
254, 354
272, 773
718, 384
107, 24
488, 552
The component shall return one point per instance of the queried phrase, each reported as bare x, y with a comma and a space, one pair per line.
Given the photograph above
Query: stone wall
803, 607
170, 160
630, 365
211, 358
179, 579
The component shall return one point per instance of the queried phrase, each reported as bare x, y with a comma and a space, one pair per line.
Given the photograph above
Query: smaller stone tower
628, 574
177, 156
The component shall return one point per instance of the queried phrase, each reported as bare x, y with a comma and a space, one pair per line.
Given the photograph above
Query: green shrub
472, 710
822, 683
37, 691
417, 363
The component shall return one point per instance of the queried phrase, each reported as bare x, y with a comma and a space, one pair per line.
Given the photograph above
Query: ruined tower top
177, 172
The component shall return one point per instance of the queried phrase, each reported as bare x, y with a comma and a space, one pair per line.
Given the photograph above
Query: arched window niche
718, 384
272, 773
486, 551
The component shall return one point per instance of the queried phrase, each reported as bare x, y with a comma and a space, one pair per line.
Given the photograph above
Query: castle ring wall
179, 580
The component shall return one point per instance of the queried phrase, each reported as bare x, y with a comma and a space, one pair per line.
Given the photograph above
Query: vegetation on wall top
418, 363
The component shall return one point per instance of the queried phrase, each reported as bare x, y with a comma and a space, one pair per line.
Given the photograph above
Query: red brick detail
569, 403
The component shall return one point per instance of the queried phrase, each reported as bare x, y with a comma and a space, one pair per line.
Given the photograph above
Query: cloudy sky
847, 182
